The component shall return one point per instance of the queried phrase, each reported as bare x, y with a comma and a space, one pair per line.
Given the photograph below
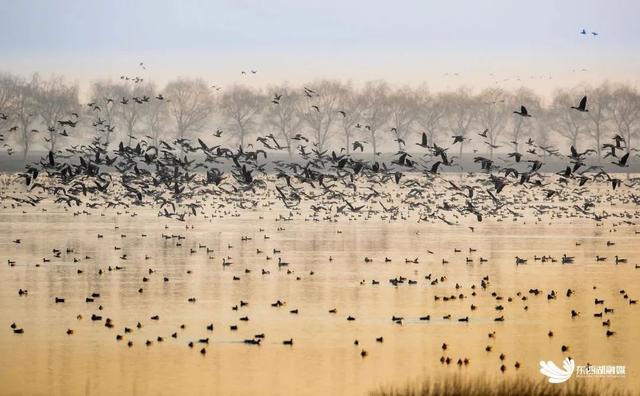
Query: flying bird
582, 106
423, 142
623, 161
458, 139
358, 145
523, 112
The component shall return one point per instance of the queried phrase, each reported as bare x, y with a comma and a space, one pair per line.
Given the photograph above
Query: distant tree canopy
38, 113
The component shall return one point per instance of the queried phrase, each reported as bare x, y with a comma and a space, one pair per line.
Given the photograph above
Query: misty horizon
446, 45
327, 114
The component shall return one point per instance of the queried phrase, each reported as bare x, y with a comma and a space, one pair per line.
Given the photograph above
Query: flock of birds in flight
178, 175
182, 176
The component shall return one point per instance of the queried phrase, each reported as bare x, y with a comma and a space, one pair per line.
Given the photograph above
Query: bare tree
105, 96
599, 105
130, 106
156, 116
8, 84
191, 104
240, 106
523, 125
404, 107
55, 100
321, 110
625, 110
431, 114
493, 113
284, 116
350, 107
462, 111
567, 122
376, 111
24, 111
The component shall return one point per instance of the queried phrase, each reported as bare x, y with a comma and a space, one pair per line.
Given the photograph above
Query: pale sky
402, 41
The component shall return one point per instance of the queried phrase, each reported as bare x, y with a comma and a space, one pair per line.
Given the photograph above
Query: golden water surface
323, 358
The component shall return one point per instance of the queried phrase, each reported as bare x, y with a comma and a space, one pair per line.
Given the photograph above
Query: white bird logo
555, 374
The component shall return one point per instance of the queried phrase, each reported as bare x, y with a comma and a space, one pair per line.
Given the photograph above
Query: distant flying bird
582, 106
583, 31
458, 139
619, 140
484, 133
358, 145
423, 143
623, 161
523, 112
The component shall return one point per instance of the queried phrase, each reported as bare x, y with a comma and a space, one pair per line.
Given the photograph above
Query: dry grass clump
483, 386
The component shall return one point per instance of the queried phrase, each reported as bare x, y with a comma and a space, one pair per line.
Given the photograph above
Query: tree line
39, 113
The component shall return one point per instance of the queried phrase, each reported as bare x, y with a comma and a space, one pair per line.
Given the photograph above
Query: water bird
523, 112
582, 106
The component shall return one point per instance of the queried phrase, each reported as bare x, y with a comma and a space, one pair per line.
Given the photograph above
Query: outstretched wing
624, 159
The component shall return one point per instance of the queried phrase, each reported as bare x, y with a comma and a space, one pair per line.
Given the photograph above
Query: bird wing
574, 152
624, 159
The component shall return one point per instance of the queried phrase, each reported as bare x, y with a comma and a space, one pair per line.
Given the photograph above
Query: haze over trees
432, 111
39, 114
462, 113
240, 106
493, 115
376, 111
55, 99
567, 122
191, 104
282, 117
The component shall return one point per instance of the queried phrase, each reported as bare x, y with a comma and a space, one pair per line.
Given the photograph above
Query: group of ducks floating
478, 289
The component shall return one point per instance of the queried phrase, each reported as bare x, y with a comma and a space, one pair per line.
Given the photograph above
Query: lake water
323, 358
